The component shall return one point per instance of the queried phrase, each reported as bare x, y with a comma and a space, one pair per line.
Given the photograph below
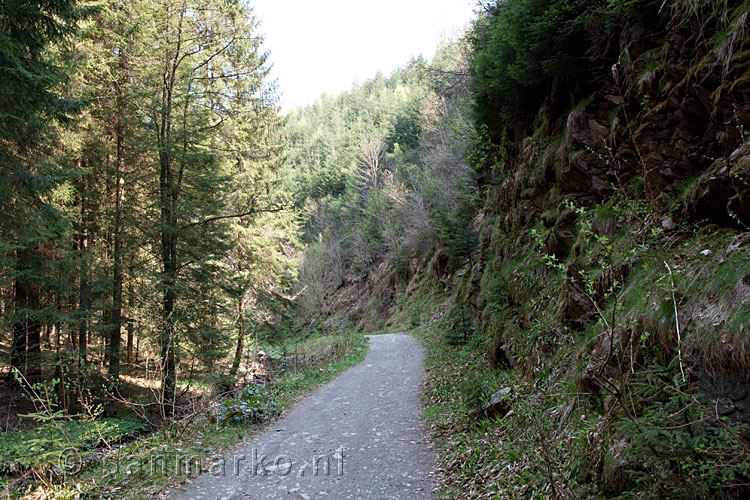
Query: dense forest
556, 205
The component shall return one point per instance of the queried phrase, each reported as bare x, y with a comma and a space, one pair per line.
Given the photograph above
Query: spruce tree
205, 81
28, 176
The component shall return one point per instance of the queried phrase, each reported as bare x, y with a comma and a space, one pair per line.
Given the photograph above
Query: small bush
462, 327
683, 445
252, 405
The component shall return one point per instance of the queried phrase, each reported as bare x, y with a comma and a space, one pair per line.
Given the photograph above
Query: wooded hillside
582, 288
556, 205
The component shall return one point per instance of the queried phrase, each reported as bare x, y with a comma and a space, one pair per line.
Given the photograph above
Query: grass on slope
148, 466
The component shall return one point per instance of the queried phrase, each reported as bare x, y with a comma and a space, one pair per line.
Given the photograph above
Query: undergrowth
612, 410
97, 466
559, 443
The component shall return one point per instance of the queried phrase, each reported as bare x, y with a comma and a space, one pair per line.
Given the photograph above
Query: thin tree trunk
34, 337
60, 378
131, 325
73, 328
84, 293
240, 337
169, 261
26, 347
106, 321
18, 347
137, 347
59, 337
115, 326
168, 373
169, 194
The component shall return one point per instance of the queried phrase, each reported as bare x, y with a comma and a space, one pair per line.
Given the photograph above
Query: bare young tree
371, 153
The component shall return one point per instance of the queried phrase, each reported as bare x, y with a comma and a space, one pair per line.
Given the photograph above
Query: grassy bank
643, 430
518, 456
149, 465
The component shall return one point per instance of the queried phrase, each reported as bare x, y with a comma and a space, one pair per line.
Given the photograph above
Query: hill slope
597, 263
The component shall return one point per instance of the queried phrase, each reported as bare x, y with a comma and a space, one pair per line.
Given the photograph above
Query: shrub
680, 442
251, 405
462, 327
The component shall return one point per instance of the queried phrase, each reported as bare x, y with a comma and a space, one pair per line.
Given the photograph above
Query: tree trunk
169, 189
137, 347
168, 373
73, 328
115, 327
131, 325
18, 347
27, 327
105, 322
60, 378
84, 293
34, 337
169, 262
240, 338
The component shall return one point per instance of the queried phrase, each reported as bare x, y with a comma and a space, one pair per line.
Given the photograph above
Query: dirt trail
358, 437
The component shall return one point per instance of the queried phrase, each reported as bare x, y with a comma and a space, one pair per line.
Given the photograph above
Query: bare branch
234, 216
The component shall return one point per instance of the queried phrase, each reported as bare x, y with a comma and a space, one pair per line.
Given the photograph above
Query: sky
325, 46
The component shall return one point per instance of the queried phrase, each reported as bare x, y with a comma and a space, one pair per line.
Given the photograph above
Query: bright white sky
324, 46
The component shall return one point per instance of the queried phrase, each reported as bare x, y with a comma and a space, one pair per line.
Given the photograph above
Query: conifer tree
207, 79
28, 176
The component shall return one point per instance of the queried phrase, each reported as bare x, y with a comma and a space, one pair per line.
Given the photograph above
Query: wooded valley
556, 205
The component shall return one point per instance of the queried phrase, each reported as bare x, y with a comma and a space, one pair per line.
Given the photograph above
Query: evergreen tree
28, 175
206, 79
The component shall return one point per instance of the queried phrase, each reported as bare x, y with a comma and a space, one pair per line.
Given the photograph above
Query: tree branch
234, 216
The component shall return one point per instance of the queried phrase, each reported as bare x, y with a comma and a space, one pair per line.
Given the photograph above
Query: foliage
458, 236
30, 180
324, 138
462, 327
558, 442
138, 203
527, 50
523, 455
251, 405
697, 454
27, 96
42, 447
398, 147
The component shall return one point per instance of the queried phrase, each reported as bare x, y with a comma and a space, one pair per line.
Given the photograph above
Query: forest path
358, 437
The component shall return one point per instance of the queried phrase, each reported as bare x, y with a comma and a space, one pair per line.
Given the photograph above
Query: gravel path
359, 437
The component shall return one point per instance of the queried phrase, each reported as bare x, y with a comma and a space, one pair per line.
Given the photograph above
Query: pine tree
207, 79
28, 176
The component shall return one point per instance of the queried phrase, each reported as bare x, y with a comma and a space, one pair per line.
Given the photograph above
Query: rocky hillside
609, 283
642, 194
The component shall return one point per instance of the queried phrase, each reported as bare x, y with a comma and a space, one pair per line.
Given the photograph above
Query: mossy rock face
519, 288
561, 238
722, 194
739, 204
727, 393
574, 305
439, 263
